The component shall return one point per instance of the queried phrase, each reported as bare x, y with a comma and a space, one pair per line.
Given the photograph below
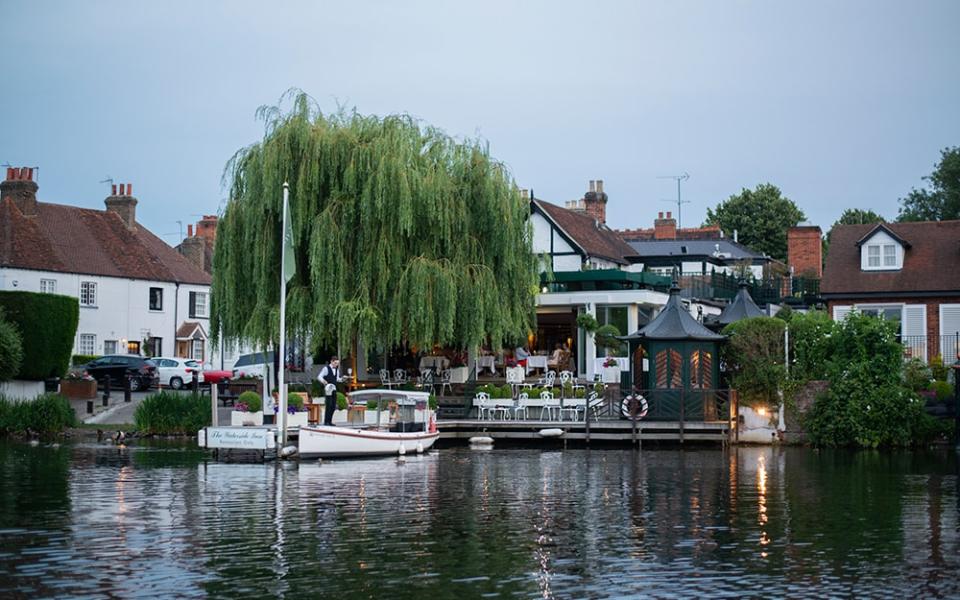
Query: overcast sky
840, 104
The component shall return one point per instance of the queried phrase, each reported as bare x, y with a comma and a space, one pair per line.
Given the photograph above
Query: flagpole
283, 318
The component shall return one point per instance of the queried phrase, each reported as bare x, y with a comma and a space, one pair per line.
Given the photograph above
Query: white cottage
137, 294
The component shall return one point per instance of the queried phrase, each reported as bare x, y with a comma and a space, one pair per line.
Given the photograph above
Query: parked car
175, 372
142, 372
211, 375
253, 364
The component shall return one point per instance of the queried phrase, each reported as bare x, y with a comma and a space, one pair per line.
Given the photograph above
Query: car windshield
258, 358
150, 363
192, 364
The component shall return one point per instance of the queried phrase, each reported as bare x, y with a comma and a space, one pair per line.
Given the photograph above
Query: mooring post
89, 407
681, 414
214, 395
126, 388
106, 390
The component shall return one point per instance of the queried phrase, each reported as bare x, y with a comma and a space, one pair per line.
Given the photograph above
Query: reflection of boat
412, 428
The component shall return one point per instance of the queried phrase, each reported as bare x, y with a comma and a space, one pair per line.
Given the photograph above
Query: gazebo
683, 374
741, 307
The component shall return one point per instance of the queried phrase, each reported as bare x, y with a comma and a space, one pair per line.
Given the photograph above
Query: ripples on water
97, 521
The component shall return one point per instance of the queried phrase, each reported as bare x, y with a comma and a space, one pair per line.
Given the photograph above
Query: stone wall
803, 402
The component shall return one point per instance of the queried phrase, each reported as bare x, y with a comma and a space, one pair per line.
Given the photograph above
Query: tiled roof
187, 330
596, 240
675, 323
711, 232
70, 239
728, 249
930, 263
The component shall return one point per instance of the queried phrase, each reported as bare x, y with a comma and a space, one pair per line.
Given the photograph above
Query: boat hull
325, 441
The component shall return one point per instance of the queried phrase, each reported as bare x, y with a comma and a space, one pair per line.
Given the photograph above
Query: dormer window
881, 251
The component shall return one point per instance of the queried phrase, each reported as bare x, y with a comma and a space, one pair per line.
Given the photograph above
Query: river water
93, 520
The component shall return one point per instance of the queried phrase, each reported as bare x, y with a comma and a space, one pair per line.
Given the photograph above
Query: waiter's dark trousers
329, 405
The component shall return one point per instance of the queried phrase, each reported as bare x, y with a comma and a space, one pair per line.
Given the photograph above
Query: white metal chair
400, 376
514, 379
594, 403
445, 382
385, 379
502, 408
573, 406
548, 379
426, 379
483, 404
523, 403
551, 405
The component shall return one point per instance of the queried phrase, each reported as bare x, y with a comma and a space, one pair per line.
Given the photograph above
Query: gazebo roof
742, 307
675, 323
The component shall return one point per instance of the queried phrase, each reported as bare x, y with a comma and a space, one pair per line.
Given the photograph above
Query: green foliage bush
341, 401
252, 400
49, 413
171, 413
916, 375
867, 403
811, 336
11, 349
294, 401
755, 357
432, 402
78, 360
47, 324
938, 370
943, 390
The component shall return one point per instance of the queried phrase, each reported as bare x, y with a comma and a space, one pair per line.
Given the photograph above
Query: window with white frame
889, 255
198, 349
109, 346
48, 286
88, 293
198, 305
873, 255
88, 343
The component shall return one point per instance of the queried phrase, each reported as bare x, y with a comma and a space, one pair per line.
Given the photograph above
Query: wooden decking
602, 431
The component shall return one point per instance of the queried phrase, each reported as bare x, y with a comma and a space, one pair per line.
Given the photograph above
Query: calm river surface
150, 520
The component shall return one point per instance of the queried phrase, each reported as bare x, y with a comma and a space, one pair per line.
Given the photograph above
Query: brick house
907, 272
137, 294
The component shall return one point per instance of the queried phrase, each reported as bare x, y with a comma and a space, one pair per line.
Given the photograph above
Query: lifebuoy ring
634, 407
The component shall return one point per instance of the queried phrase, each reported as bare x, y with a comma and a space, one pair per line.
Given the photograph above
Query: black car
142, 372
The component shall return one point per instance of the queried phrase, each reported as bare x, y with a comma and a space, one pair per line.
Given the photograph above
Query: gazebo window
701, 369
669, 369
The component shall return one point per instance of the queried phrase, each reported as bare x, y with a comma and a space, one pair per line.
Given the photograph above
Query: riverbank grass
168, 413
49, 413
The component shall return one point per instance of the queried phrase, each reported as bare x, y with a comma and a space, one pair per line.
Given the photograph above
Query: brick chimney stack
122, 202
665, 228
595, 201
805, 251
207, 228
20, 187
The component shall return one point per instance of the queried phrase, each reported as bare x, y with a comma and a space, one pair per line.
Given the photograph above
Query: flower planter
240, 418
297, 419
611, 375
459, 374
78, 388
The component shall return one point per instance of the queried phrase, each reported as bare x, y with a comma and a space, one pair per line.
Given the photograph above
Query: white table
486, 362
434, 362
622, 361
537, 361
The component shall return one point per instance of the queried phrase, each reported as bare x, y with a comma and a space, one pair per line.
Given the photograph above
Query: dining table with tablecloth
437, 363
486, 362
537, 361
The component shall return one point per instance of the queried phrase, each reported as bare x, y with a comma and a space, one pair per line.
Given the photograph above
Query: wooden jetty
622, 431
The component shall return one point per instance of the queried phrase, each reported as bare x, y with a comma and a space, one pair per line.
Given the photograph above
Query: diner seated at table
521, 355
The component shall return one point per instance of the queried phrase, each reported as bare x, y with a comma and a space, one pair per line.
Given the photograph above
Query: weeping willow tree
401, 234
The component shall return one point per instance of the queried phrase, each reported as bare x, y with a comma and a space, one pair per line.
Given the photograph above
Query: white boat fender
403, 449
481, 440
419, 448
550, 433
288, 451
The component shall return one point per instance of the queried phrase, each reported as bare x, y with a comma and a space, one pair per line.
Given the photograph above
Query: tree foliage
761, 218
48, 325
853, 216
11, 349
941, 202
400, 234
754, 355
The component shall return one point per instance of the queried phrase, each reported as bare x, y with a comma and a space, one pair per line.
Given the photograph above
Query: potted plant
78, 385
458, 368
611, 370
296, 410
247, 411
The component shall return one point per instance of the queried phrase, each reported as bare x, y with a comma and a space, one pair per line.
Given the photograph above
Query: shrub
341, 401
938, 370
78, 360
811, 336
50, 413
11, 349
47, 324
754, 355
294, 401
506, 391
942, 390
170, 413
432, 402
916, 375
251, 400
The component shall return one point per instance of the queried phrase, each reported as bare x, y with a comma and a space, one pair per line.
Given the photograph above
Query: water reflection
160, 520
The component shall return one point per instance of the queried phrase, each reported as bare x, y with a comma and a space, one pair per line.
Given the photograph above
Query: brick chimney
122, 202
207, 228
595, 201
665, 228
805, 251
20, 187
193, 249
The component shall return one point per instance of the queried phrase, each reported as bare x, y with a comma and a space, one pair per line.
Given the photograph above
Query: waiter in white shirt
330, 377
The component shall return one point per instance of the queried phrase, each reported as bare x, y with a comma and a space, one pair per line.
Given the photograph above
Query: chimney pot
599, 186
669, 215
113, 190
189, 229
660, 215
20, 188
129, 189
593, 185
9, 173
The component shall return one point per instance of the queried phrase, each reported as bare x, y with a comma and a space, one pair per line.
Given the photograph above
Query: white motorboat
412, 428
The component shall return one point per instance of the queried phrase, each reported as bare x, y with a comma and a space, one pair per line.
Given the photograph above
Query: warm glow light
762, 411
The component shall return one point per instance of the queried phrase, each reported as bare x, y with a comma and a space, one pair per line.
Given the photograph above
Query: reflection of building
136, 293
591, 270
904, 272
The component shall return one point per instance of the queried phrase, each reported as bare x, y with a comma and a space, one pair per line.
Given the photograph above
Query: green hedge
11, 349
169, 413
50, 413
48, 325
78, 360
